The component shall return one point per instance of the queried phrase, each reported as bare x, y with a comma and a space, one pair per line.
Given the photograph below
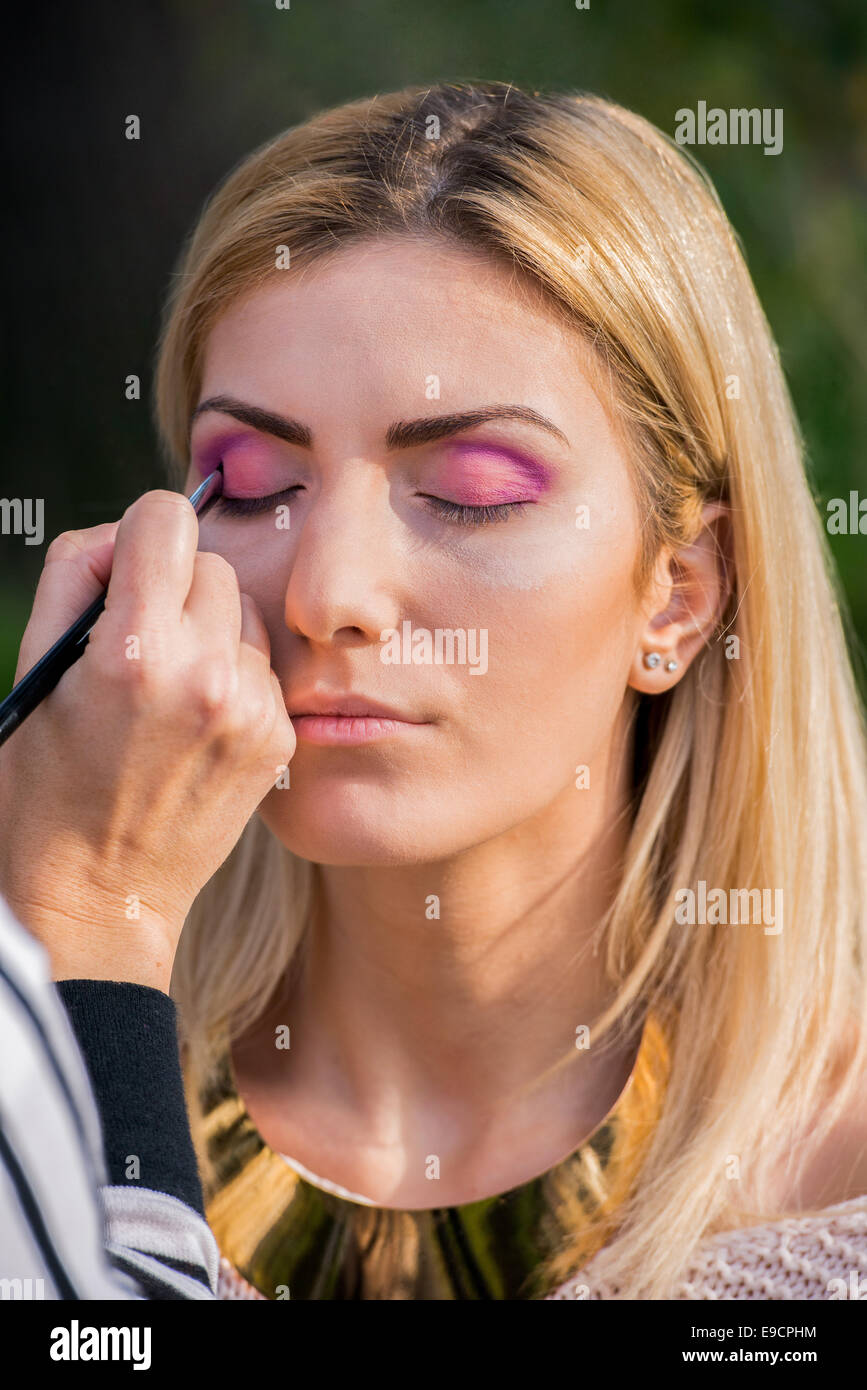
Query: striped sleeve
152, 1200
99, 1190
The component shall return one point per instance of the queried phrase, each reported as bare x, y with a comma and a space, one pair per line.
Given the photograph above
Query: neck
447, 987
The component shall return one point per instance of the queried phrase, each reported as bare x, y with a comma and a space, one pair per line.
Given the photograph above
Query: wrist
103, 943
126, 968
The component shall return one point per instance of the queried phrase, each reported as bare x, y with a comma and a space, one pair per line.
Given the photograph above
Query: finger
154, 560
254, 649
255, 664
213, 606
77, 570
254, 633
255, 646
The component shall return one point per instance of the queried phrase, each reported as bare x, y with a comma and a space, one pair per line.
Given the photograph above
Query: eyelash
456, 512
248, 506
462, 515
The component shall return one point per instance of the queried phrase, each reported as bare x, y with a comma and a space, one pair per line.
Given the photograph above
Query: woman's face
362, 354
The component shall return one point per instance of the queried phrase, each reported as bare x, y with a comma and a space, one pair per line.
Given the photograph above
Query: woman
534, 983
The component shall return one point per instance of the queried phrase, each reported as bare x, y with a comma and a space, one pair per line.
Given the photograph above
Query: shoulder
817, 1247
813, 1255
836, 1171
818, 1255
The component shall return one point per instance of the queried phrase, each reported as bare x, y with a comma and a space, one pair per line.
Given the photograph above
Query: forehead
425, 319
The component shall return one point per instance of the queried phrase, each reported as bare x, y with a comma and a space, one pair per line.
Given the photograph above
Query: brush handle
43, 677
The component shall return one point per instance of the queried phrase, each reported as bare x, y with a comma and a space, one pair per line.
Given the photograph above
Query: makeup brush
43, 677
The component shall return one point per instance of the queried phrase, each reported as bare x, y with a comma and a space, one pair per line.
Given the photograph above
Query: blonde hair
755, 766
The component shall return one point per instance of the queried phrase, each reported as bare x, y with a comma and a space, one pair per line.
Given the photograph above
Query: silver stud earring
671, 665
652, 660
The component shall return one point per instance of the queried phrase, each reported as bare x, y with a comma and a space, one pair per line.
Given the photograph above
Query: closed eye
249, 506
457, 513
464, 515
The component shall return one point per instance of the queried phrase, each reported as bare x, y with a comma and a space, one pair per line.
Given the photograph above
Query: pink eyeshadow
251, 473
502, 474
506, 475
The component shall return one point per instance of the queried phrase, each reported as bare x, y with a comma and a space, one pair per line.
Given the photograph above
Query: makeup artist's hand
128, 786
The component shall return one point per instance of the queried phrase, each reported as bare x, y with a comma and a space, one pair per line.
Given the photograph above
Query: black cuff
128, 1034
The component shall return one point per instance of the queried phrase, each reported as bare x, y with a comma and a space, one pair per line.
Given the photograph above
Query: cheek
574, 635
561, 636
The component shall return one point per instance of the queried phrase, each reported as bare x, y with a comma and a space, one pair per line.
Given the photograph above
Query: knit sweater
128, 1037
822, 1256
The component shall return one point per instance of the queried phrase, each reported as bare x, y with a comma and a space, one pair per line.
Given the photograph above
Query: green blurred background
96, 222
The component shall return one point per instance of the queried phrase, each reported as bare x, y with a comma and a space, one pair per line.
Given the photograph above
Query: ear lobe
699, 584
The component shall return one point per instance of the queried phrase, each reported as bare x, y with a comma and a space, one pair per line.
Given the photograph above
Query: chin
326, 832
361, 851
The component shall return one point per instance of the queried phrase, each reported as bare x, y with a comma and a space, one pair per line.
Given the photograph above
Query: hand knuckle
283, 740
214, 694
259, 710
143, 680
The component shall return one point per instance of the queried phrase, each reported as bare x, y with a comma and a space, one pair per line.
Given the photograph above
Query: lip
347, 719
348, 704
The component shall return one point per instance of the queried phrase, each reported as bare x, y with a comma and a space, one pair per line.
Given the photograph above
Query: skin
411, 1036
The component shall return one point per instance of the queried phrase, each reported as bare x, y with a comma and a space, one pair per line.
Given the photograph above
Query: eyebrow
403, 434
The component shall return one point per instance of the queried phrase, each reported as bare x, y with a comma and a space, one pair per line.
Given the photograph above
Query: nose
346, 566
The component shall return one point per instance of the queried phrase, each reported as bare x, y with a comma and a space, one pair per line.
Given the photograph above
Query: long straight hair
754, 768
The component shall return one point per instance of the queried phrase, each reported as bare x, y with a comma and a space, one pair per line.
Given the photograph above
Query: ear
686, 599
